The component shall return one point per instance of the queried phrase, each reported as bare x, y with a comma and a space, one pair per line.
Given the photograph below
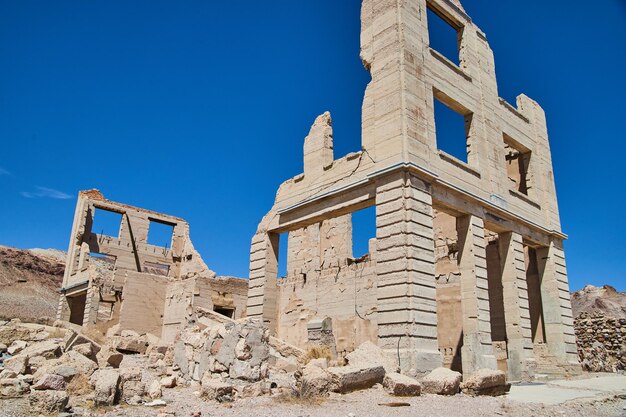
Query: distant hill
606, 300
29, 283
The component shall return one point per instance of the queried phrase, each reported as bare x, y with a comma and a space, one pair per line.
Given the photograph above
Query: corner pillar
262, 289
405, 267
557, 307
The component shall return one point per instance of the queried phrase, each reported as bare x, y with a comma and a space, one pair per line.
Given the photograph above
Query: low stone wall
601, 342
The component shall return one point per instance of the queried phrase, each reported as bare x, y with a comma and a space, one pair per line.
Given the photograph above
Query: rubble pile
61, 369
601, 342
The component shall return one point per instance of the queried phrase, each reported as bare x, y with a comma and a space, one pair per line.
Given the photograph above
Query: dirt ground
184, 402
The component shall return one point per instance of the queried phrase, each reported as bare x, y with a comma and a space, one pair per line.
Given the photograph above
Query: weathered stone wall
323, 280
504, 183
124, 281
601, 342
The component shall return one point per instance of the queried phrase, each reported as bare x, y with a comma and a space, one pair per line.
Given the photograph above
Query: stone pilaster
516, 309
557, 307
405, 266
262, 285
477, 350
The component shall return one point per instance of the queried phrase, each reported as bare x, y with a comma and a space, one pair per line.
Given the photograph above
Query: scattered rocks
168, 382
106, 384
16, 347
154, 391
214, 389
240, 349
368, 354
109, 357
13, 387
315, 380
50, 382
17, 364
48, 402
401, 385
7, 374
486, 382
351, 378
442, 381
131, 386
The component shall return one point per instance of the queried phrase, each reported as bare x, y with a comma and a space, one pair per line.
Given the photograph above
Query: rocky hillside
605, 300
29, 283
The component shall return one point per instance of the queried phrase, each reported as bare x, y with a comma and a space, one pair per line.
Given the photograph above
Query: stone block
13, 387
315, 380
401, 385
442, 381
18, 364
350, 378
106, 386
16, 347
486, 382
368, 355
109, 357
154, 391
168, 381
48, 402
243, 370
214, 389
50, 382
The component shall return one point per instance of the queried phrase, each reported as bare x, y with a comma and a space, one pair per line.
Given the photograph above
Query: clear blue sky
199, 109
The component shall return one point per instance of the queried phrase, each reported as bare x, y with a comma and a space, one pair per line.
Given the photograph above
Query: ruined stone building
467, 268
124, 279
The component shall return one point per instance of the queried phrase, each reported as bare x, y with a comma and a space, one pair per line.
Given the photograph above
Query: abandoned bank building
467, 268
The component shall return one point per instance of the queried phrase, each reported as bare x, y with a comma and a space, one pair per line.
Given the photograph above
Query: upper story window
453, 124
517, 160
160, 233
106, 222
445, 35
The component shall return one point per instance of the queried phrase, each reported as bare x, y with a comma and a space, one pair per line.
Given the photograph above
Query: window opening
107, 223
444, 35
160, 234
452, 125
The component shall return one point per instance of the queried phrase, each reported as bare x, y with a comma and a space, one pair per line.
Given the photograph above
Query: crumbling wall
323, 280
229, 294
132, 283
423, 287
448, 281
601, 342
143, 310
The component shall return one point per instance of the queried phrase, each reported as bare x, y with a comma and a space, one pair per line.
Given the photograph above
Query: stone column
405, 267
477, 350
262, 290
557, 307
516, 309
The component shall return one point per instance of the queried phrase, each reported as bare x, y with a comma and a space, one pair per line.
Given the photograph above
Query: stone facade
467, 268
122, 279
